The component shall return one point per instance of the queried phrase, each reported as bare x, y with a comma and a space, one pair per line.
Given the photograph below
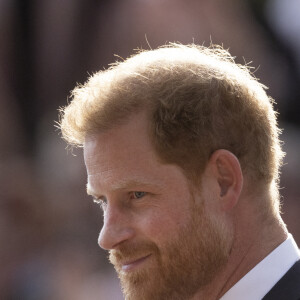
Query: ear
228, 174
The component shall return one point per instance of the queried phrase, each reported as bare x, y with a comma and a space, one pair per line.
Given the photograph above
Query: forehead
124, 156
127, 143
121, 154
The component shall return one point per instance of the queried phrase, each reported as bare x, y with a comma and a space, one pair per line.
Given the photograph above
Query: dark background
48, 226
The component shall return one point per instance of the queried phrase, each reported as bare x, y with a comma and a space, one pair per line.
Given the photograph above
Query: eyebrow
124, 185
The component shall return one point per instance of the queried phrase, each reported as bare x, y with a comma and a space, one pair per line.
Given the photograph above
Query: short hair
198, 100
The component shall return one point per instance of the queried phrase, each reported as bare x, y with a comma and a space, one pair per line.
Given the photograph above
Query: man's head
197, 101
168, 137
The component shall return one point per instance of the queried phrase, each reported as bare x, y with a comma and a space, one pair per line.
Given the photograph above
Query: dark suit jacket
288, 287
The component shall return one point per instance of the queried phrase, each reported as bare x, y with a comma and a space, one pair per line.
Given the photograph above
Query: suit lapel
288, 287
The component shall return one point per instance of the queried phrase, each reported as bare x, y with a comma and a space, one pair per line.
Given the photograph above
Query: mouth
131, 265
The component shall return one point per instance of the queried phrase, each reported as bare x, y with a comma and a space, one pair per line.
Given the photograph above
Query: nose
116, 228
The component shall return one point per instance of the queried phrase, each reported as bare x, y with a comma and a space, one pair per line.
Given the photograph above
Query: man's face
162, 240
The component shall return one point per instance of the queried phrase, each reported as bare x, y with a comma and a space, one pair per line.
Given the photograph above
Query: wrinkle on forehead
99, 161
120, 178
118, 147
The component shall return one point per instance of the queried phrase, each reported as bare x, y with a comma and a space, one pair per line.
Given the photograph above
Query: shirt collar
260, 280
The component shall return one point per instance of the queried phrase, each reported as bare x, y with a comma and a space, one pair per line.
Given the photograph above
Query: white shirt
260, 280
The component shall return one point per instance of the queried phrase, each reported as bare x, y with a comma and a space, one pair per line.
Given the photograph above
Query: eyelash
138, 196
134, 195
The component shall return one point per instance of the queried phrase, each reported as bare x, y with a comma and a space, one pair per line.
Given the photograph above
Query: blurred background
48, 226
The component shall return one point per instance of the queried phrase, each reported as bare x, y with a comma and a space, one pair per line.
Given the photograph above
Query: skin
148, 201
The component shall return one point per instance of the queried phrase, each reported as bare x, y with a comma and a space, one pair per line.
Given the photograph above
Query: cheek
164, 224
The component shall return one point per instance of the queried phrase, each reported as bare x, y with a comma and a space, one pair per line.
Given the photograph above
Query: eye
138, 195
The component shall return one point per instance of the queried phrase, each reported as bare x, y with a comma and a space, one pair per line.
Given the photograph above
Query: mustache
132, 251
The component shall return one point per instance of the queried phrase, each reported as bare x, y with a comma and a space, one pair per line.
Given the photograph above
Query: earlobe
228, 174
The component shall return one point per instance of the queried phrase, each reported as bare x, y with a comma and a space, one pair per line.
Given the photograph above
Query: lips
130, 265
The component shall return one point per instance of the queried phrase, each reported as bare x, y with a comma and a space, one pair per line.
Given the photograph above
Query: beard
180, 267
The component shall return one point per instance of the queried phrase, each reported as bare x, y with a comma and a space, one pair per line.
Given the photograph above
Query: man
182, 153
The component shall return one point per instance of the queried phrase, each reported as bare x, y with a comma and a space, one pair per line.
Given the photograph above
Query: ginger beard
181, 266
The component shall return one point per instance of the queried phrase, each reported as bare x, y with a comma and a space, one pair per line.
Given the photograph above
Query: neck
252, 243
